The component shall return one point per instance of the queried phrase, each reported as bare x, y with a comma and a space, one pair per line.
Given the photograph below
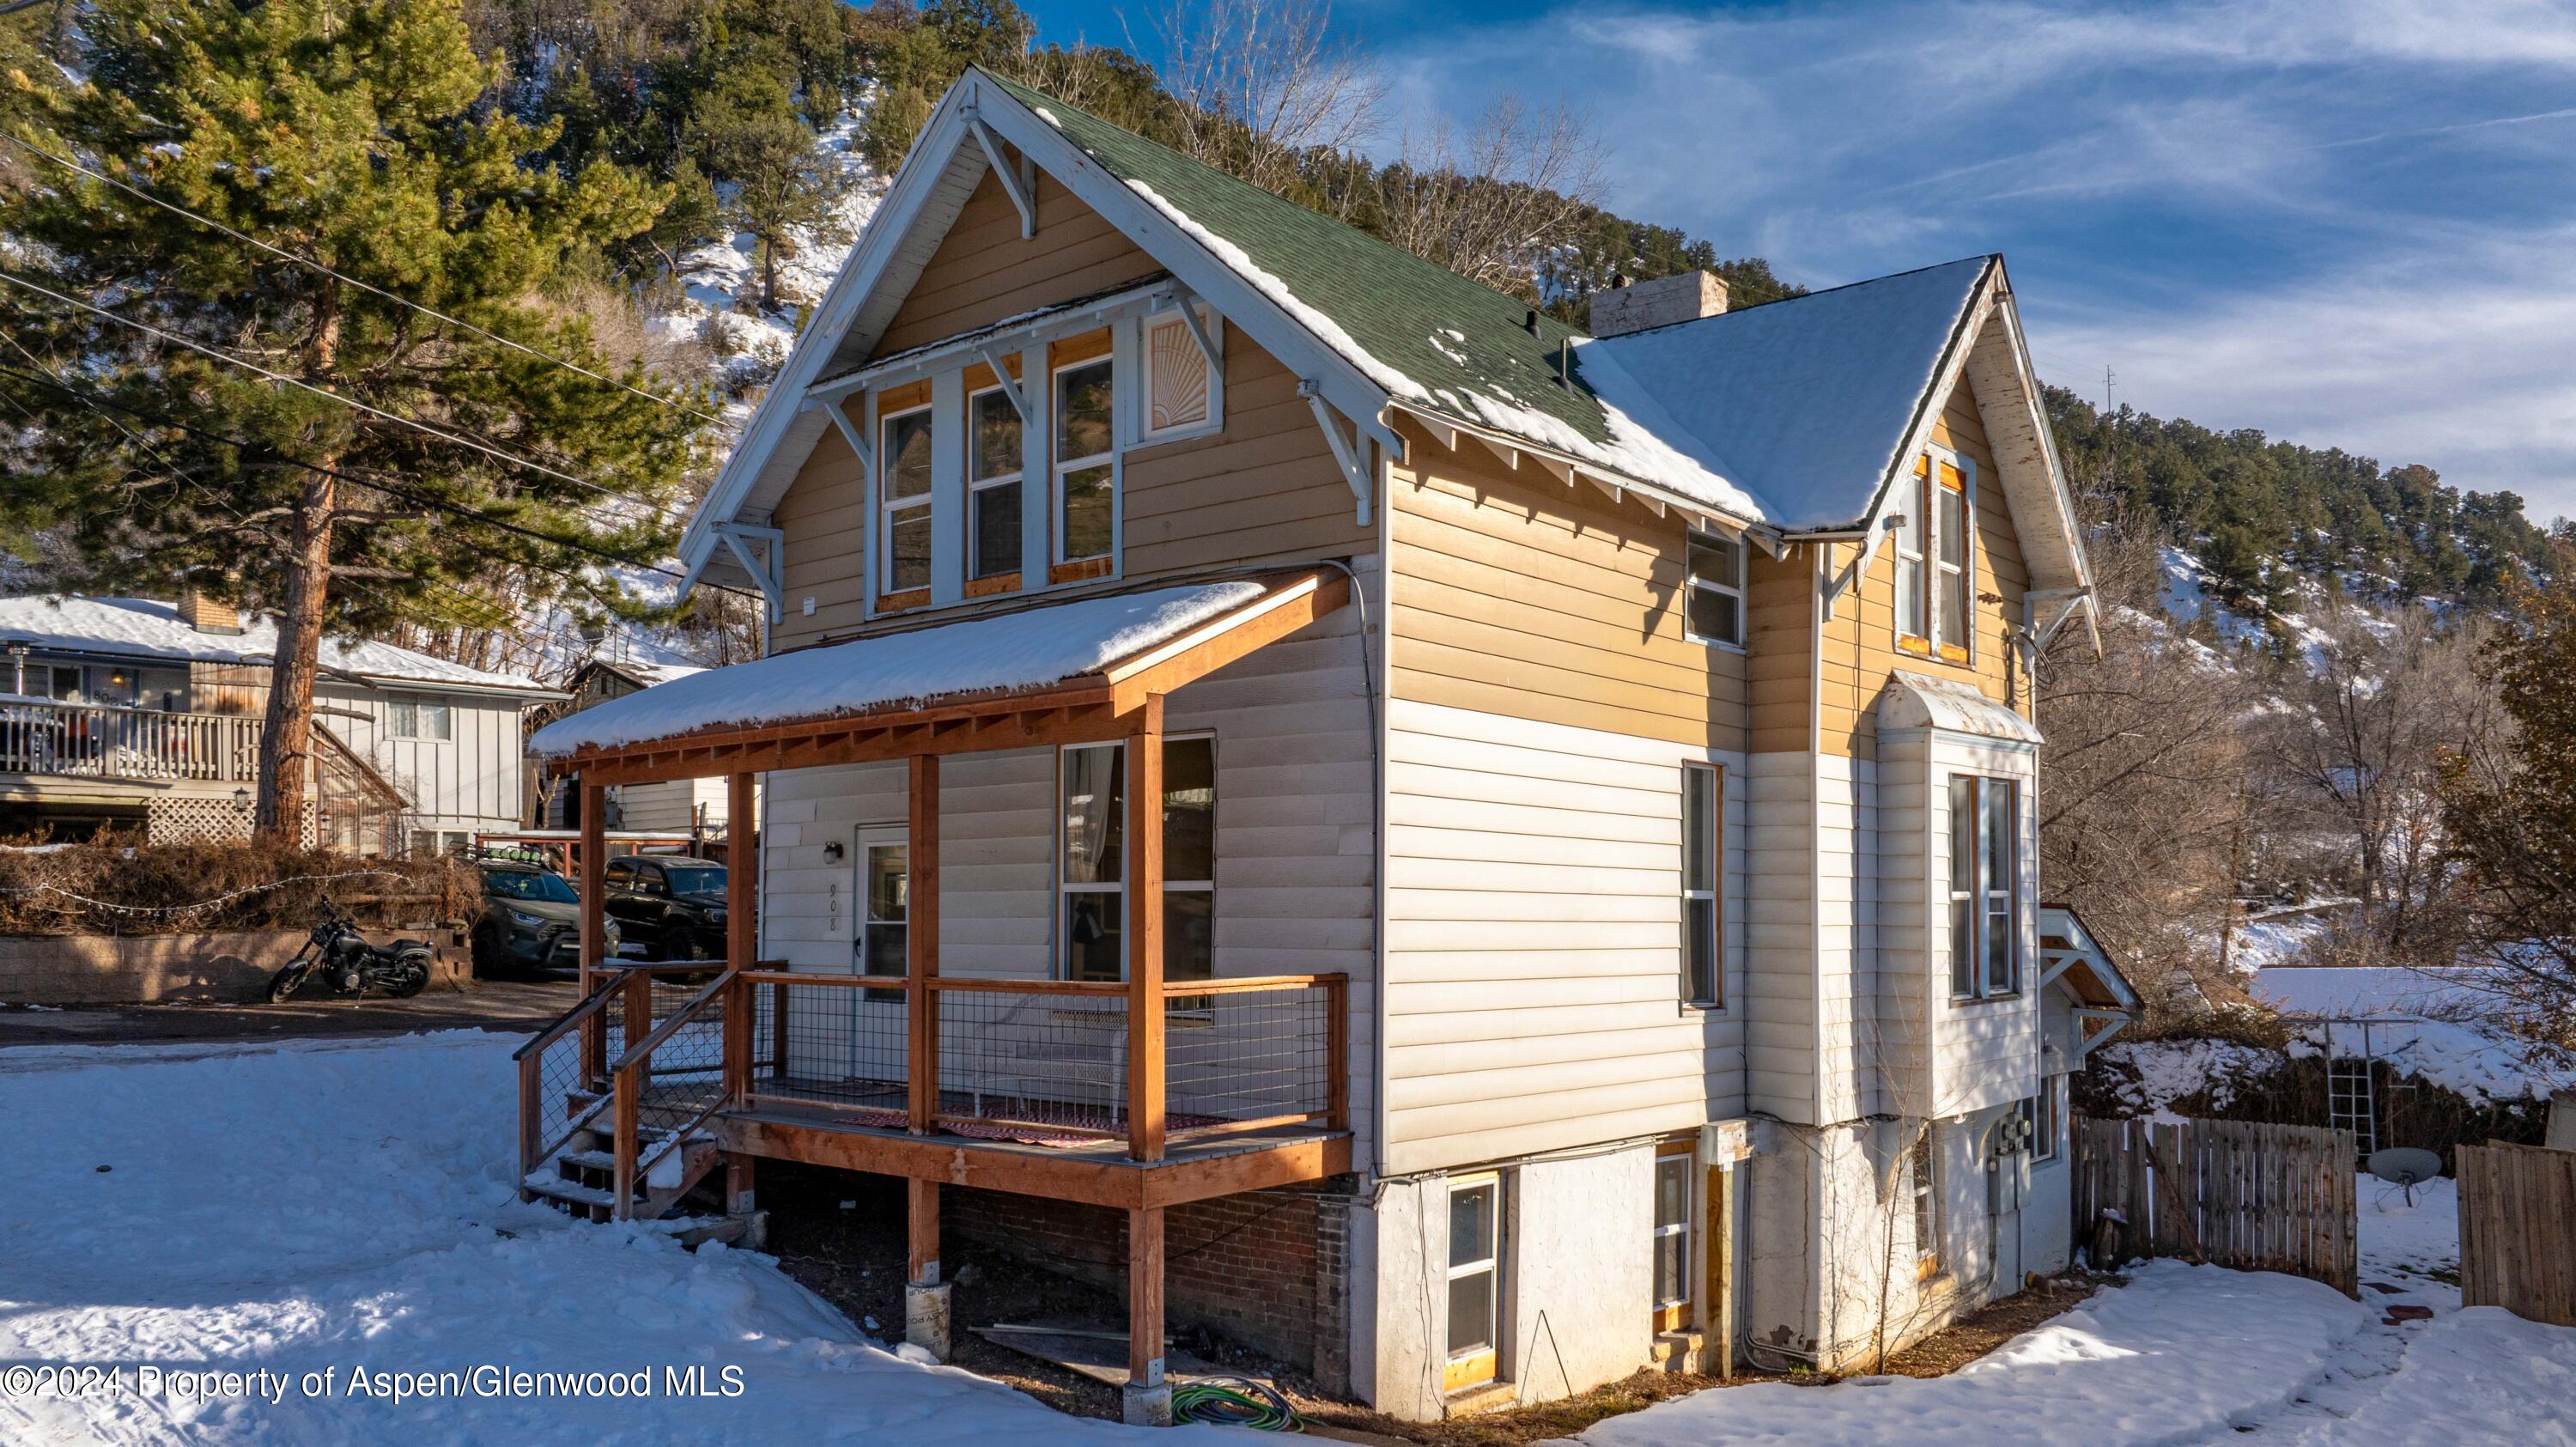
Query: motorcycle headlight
527, 921
715, 916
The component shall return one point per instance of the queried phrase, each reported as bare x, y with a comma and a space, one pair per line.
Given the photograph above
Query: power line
346, 401
244, 236
379, 485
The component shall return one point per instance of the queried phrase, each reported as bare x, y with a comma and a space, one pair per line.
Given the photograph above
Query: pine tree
348, 133
774, 179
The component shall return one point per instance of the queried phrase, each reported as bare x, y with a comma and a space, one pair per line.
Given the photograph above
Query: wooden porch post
742, 875
1145, 1319
921, 963
921, 1217
1144, 848
593, 922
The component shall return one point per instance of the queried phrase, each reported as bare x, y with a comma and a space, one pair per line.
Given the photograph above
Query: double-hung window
903, 486
1715, 608
992, 486
1985, 943
1086, 468
1092, 861
1935, 563
1703, 875
2040, 1113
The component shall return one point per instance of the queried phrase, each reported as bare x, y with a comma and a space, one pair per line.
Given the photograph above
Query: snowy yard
344, 1207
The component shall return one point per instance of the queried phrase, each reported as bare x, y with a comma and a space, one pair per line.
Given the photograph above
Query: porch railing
1046, 1059
104, 742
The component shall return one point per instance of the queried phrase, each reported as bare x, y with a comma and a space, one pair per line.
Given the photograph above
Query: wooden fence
2518, 1230
2231, 1193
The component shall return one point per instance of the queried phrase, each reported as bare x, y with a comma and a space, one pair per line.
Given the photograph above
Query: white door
880, 944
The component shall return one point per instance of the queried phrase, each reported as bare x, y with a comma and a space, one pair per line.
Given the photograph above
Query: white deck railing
98, 741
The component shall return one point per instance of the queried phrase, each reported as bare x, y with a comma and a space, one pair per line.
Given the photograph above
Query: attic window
1935, 558
903, 476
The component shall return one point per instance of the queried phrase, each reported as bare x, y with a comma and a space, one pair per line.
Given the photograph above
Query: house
1479, 856
133, 713
664, 806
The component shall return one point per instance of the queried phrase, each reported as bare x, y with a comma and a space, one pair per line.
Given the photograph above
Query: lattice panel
206, 821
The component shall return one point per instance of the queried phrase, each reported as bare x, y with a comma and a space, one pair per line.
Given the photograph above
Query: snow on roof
148, 628
1921, 701
1029, 649
2386, 991
1802, 403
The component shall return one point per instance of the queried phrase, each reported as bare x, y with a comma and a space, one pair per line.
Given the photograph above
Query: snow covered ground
2197, 1355
344, 1207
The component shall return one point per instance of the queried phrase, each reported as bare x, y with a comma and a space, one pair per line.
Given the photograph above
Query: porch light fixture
241, 800
18, 665
833, 853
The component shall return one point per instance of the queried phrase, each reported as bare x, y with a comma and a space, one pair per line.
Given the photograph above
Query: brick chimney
206, 615
1635, 306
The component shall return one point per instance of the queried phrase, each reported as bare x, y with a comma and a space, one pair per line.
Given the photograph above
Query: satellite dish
2406, 1166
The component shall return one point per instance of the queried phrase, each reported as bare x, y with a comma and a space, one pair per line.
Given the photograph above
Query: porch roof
1082, 664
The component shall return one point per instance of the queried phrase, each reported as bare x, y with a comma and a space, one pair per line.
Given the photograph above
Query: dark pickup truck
670, 906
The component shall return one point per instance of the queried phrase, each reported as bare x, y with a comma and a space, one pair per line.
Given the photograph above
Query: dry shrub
120, 885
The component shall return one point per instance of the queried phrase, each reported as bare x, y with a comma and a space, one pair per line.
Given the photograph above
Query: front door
880, 944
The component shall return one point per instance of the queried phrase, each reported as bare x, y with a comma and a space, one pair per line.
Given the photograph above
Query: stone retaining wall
231, 965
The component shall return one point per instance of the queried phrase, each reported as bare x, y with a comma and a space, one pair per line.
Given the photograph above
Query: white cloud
2271, 214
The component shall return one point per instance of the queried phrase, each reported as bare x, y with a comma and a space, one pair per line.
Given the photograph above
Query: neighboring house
668, 806
1595, 897
136, 714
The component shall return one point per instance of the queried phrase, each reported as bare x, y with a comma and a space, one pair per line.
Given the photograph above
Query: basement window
1475, 1279
1927, 1211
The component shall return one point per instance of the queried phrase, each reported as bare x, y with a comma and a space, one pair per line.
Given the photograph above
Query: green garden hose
1234, 1402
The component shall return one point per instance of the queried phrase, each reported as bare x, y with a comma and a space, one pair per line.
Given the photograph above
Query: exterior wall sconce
833, 853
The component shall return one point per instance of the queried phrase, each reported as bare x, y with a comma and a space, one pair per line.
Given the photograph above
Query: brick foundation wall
1264, 1268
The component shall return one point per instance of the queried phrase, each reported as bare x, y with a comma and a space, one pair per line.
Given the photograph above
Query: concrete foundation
1140, 1405
925, 1318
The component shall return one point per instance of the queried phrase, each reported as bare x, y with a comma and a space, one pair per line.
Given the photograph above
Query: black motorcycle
337, 956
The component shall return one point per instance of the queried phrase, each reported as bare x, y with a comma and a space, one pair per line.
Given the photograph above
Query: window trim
887, 597
1477, 1366
1008, 579
1715, 894
1925, 518
1980, 895
1692, 583
2046, 1120
416, 702
1924, 1171
1058, 466
1675, 1313
1214, 422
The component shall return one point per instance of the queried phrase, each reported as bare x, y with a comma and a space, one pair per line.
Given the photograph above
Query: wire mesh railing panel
832, 1044
1049, 1058
1247, 1055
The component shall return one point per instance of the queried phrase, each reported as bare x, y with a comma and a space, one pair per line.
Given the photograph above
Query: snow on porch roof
1010, 652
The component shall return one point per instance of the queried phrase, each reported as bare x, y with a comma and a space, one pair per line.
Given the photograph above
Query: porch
1134, 1091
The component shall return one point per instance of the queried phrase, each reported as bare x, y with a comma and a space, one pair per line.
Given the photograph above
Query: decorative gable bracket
1019, 182
1347, 450
1850, 577
766, 567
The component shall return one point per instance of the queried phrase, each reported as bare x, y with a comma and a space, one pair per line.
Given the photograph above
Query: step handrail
643, 1049
591, 1004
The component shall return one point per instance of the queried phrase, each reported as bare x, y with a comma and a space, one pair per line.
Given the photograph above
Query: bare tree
1491, 201
1263, 82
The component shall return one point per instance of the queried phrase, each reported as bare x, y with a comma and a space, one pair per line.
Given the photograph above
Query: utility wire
345, 400
244, 236
422, 499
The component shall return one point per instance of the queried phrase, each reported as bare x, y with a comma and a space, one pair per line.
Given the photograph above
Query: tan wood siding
1520, 596
1265, 488
984, 271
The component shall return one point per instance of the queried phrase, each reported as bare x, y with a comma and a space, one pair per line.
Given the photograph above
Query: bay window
1985, 887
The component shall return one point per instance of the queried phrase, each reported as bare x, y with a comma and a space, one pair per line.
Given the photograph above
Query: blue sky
2349, 222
